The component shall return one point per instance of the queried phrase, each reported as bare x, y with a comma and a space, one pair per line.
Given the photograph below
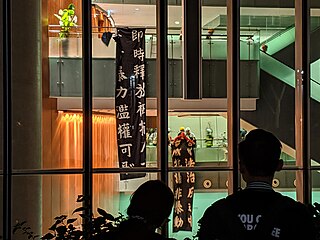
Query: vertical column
7, 118
162, 87
302, 99
162, 91
192, 60
87, 109
233, 90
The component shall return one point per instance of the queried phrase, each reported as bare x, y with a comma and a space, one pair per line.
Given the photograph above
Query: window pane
108, 136
208, 130
314, 85
42, 138
113, 194
206, 117
316, 186
39, 199
208, 188
267, 56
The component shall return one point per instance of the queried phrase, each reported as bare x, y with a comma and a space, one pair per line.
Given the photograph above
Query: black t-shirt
256, 214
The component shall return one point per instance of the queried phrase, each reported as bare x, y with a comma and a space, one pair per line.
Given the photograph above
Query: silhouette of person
149, 209
257, 212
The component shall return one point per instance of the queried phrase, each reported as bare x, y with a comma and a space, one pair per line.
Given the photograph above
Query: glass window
267, 78
315, 96
209, 187
315, 186
47, 113
62, 86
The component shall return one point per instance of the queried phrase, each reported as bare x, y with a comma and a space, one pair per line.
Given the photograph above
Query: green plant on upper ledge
67, 20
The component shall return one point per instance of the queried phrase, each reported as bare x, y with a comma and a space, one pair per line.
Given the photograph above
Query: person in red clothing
257, 212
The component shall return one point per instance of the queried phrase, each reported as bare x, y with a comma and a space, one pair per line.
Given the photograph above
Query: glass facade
48, 170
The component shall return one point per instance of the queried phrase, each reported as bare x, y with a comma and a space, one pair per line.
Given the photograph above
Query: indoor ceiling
138, 15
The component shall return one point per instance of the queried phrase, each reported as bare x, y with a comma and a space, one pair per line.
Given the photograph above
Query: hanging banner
130, 99
183, 182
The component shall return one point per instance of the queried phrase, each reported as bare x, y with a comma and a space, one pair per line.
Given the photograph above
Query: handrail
274, 36
288, 74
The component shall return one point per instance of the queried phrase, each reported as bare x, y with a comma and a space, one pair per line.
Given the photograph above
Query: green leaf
71, 220
48, 236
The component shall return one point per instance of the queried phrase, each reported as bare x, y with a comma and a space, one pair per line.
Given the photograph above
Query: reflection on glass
70, 136
270, 40
113, 194
285, 183
315, 186
39, 199
209, 132
315, 96
208, 188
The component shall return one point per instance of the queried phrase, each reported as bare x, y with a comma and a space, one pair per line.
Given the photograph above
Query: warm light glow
68, 140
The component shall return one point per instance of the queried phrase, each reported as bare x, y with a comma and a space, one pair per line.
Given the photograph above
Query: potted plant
67, 20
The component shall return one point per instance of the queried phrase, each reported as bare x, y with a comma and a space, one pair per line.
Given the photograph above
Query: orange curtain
66, 188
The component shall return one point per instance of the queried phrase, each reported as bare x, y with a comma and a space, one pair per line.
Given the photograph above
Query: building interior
46, 75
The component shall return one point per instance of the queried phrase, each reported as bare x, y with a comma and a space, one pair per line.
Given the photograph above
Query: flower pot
64, 46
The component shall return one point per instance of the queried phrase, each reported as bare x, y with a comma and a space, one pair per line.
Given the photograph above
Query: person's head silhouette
152, 202
259, 155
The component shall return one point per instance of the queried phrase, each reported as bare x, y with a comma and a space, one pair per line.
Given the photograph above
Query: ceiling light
177, 22
137, 9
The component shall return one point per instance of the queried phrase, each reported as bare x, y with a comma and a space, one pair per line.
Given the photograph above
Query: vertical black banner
130, 99
183, 182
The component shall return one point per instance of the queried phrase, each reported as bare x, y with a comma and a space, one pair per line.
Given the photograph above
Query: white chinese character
124, 164
136, 35
178, 193
143, 148
177, 178
122, 112
191, 177
122, 92
124, 131
141, 91
139, 53
139, 70
121, 75
178, 222
142, 126
141, 109
178, 207
126, 149
190, 192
